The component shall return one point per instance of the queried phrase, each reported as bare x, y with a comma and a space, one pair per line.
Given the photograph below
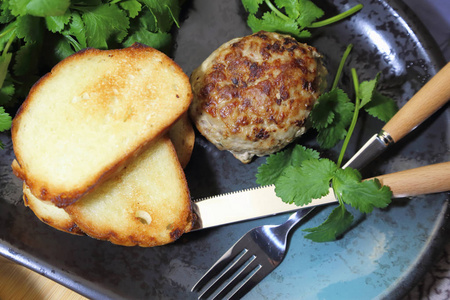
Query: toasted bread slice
92, 113
146, 204
50, 214
182, 136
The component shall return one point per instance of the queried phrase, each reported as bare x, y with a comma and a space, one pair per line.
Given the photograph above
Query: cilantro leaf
45, 8
311, 180
164, 12
271, 22
337, 223
309, 13
381, 107
29, 28
276, 163
5, 60
6, 92
362, 195
133, 7
62, 49
18, 7
291, 7
366, 90
301, 154
5, 120
252, 5
103, 22
321, 114
25, 62
331, 116
159, 40
269, 172
77, 30
57, 23
5, 12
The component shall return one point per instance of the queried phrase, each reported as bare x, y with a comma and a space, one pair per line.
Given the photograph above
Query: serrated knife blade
246, 204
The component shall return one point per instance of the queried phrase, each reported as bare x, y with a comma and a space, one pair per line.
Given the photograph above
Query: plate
382, 256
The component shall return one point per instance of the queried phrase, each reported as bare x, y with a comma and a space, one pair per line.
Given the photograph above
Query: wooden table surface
18, 282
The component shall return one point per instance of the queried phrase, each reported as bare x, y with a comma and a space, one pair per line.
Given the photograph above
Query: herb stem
341, 66
7, 31
73, 42
355, 117
337, 18
276, 11
5, 50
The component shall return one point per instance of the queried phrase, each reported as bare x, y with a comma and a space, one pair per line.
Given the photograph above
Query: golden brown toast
182, 136
90, 115
50, 214
146, 204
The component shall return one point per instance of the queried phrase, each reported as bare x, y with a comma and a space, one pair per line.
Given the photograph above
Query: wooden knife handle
423, 180
433, 95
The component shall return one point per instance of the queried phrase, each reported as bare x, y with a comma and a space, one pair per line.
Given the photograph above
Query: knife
261, 202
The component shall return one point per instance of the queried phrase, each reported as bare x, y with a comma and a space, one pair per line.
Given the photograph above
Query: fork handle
423, 180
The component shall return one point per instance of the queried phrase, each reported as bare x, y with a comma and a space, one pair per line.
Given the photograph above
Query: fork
249, 260
263, 248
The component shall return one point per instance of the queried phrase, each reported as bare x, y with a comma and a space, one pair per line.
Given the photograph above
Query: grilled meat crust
253, 94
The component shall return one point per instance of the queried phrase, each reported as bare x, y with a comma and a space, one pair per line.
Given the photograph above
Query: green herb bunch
300, 174
36, 34
294, 17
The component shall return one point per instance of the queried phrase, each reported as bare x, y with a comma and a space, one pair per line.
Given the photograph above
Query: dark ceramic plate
383, 256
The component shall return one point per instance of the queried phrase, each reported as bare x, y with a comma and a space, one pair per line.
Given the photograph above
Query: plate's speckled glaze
382, 256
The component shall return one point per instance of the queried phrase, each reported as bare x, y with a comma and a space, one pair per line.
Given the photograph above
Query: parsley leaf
337, 223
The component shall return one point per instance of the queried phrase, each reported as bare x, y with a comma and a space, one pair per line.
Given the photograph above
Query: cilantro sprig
334, 112
300, 174
294, 17
35, 35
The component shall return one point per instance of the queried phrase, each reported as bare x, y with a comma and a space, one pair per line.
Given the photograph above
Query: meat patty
253, 94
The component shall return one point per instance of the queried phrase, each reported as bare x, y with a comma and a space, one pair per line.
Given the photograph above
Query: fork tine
218, 267
251, 282
226, 273
239, 277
